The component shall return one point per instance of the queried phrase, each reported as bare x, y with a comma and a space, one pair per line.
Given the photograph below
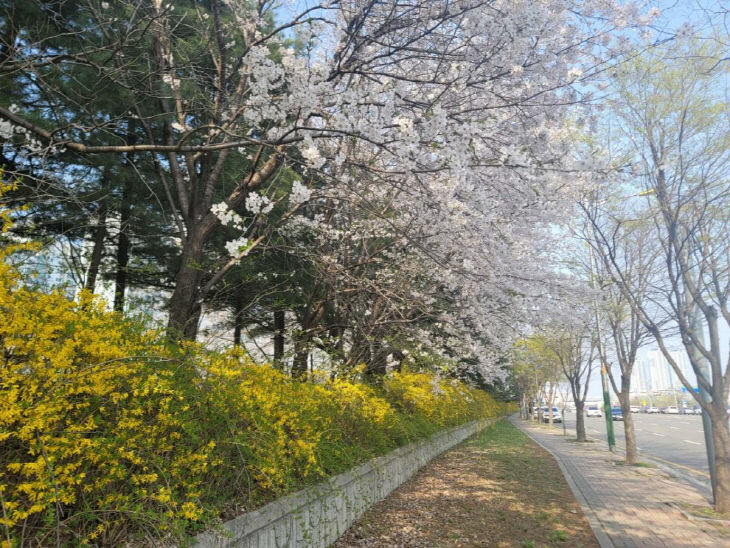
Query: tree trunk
120, 280
399, 358
525, 414
279, 327
377, 361
580, 426
551, 396
185, 309
721, 439
99, 236
301, 357
237, 320
311, 319
358, 350
125, 214
624, 399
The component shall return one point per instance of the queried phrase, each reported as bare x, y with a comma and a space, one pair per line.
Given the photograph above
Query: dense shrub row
110, 435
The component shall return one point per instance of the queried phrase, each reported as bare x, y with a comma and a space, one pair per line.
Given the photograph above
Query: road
677, 439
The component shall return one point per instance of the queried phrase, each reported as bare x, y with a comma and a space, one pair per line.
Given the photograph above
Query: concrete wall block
263, 539
317, 516
316, 522
282, 532
329, 524
340, 511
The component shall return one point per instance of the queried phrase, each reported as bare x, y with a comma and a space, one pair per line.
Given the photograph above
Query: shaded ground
497, 489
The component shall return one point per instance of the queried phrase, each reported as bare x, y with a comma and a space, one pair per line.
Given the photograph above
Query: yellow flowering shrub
108, 434
444, 402
90, 416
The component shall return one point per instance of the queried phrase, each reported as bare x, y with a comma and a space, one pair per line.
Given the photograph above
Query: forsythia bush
108, 435
443, 402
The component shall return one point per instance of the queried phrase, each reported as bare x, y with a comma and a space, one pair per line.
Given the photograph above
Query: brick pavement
627, 506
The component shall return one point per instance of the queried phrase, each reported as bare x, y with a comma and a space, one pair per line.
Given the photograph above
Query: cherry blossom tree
449, 118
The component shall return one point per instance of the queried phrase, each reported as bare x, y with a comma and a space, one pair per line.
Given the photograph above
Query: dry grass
497, 489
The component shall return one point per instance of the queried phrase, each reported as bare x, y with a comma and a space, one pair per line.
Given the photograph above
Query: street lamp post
607, 408
604, 373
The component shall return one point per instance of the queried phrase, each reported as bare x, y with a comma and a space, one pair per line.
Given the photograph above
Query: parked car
546, 415
671, 410
593, 411
617, 414
696, 410
537, 410
652, 410
635, 408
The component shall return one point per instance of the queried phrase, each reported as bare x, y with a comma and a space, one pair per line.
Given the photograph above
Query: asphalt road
676, 439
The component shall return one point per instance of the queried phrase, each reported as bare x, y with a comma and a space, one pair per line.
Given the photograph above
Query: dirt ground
497, 489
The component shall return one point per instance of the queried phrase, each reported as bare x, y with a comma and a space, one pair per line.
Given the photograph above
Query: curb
598, 529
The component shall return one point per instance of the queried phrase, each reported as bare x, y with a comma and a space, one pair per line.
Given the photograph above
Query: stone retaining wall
319, 515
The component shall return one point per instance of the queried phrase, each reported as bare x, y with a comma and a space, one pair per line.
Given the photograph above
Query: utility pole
607, 406
604, 373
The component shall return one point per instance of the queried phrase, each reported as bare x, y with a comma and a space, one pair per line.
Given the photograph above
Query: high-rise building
655, 374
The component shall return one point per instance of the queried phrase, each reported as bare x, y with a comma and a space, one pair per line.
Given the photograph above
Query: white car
546, 415
672, 410
593, 411
653, 410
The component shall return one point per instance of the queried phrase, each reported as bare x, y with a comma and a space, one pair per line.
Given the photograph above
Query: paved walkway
627, 506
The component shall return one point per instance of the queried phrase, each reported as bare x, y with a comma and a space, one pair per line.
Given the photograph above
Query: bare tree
674, 113
637, 254
575, 351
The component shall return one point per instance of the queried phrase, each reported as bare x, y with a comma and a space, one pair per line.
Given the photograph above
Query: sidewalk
627, 506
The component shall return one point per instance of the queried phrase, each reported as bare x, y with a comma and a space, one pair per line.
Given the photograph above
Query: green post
607, 410
604, 373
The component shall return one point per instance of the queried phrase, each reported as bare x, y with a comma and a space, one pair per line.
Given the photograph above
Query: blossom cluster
227, 216
258, 203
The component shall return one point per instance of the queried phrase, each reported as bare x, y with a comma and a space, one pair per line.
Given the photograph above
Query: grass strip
497, 489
